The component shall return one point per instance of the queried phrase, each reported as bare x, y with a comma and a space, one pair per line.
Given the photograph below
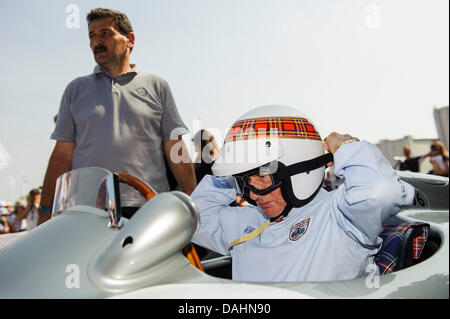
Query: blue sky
374, 69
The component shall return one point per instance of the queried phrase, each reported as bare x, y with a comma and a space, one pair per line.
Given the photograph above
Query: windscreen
82, 186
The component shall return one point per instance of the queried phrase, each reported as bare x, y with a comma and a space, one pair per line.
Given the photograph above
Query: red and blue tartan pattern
393, 237
280, 127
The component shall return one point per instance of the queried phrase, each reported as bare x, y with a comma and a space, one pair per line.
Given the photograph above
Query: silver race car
89, 250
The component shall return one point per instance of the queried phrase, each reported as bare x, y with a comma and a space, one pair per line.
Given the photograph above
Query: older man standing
117, 118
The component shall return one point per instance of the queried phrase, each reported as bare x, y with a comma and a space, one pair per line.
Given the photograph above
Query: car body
87, 250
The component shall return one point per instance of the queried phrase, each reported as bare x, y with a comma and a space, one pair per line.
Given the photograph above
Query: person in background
410, 163
21, 225
4, 212
327, 184
30, 213
207, 152
439, 159
118, 118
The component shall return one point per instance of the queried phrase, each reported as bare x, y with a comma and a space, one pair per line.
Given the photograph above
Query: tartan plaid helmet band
272, 127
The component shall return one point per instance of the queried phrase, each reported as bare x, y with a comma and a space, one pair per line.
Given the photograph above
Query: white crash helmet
281, 140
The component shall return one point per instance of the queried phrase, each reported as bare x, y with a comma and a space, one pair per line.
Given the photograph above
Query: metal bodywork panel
39, 264
35, 265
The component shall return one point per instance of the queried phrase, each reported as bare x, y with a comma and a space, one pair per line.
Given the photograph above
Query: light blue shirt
334, 237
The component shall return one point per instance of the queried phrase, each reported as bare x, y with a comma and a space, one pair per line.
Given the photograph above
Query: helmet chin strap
289, 206
283, 214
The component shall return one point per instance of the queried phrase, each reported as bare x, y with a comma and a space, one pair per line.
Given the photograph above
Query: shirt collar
134, 70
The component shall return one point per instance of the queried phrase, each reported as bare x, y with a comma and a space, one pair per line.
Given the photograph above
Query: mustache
99, 48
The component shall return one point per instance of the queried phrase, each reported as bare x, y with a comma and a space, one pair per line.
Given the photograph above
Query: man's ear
130, 37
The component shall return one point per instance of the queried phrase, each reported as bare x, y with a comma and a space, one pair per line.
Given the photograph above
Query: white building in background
393, 150
442, 124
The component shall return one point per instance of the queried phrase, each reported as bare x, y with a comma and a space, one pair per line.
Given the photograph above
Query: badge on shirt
298, 230
142, 92
249, 229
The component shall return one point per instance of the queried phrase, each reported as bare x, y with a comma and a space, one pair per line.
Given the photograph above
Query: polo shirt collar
134, 70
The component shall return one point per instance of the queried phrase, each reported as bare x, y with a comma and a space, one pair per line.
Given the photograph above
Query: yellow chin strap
251, 235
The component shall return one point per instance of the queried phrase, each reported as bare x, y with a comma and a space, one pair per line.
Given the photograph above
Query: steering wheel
189, 251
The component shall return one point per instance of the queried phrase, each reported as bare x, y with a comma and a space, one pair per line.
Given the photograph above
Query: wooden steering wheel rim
137, 184
148, 192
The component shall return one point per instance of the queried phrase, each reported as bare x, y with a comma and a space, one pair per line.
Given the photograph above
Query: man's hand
333, 141
180, 164
59, 163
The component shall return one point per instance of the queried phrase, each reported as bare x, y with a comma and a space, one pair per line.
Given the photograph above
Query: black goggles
278, 175
265, 183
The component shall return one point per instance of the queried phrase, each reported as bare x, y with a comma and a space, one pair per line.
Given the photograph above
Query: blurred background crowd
22, 215
435, 161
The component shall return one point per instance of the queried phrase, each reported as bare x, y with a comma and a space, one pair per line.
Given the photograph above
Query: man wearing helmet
295, 230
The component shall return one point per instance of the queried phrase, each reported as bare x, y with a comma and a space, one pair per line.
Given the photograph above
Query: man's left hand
333, 141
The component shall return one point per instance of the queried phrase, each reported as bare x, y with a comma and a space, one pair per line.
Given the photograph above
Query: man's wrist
351, 140
44, 209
